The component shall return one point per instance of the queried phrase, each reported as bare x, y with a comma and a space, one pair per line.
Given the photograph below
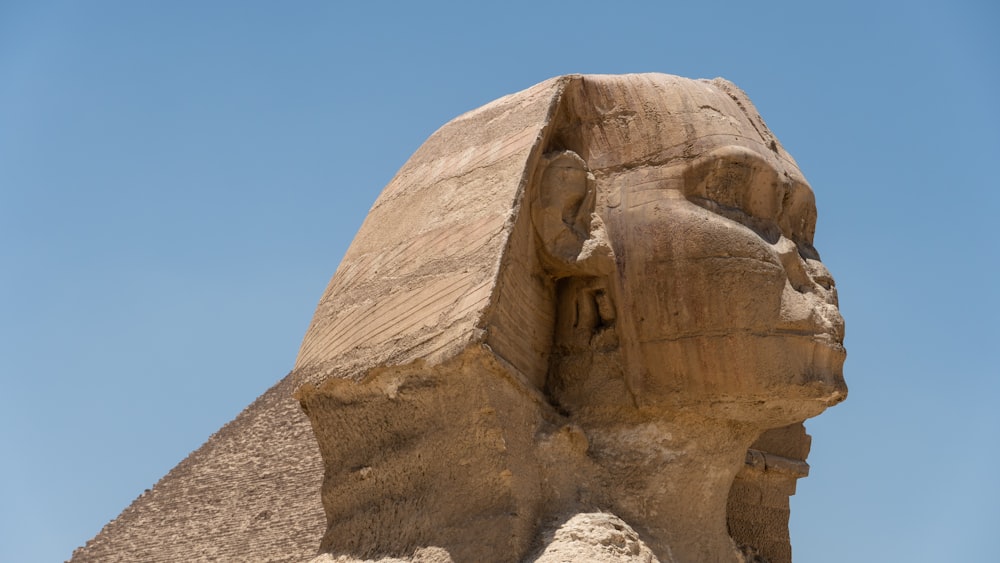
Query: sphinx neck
670, 479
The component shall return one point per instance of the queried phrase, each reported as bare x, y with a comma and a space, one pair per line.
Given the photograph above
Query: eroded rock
582, 323
636, 264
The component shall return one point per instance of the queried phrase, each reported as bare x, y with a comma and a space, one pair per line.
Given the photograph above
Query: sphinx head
687, 224
649, 224
556, 291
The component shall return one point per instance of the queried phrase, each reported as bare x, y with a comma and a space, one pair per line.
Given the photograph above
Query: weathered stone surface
583, 322
595, 537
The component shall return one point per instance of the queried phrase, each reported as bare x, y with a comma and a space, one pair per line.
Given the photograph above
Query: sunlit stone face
722, 292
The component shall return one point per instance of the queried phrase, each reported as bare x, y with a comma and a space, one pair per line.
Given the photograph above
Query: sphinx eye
765, 228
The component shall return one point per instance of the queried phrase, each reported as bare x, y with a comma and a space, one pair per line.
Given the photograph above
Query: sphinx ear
571, 235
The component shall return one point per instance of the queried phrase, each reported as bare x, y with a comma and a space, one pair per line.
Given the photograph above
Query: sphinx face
724, 303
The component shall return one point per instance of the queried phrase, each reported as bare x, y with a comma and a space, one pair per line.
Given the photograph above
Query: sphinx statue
579, 305
584, 322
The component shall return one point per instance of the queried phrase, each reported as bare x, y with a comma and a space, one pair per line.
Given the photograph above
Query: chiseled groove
361, 267
399, 250
476, 303
521, 352
458, 314
426, 295
517, 140
484, 234
387, 328
361, 318
308, 347
444, 343
509, 147
421, 173
518, 315
393, 255
436, 235
350, 339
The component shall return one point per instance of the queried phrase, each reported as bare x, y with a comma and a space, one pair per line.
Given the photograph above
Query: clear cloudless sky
179, 180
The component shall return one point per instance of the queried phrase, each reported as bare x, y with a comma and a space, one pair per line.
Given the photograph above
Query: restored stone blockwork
583, 322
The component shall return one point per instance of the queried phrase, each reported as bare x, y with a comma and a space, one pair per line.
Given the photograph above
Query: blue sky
179, 180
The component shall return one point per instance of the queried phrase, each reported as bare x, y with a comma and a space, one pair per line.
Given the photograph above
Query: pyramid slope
252, 488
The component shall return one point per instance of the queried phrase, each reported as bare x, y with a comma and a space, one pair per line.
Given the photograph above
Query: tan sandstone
582, 323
